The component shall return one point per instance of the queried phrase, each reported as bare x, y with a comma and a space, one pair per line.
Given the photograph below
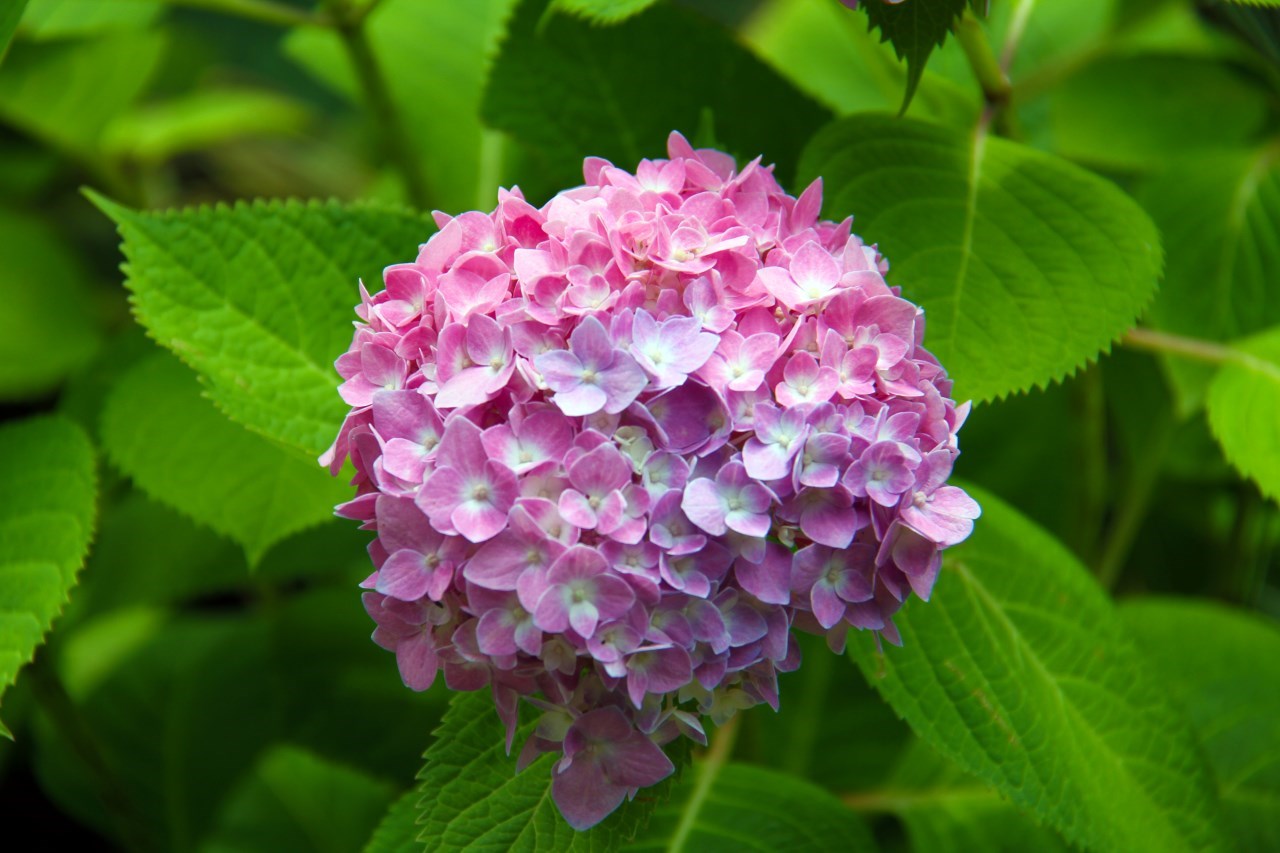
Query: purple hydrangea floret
615, 449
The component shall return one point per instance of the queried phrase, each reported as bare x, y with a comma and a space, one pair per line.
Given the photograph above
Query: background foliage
1084, 197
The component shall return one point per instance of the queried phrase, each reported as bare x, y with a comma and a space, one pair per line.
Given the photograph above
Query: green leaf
443, 49
181, 450
9, 17
473, 799
826, 51
1223, 666
46, 524
914, 29
739, 807
54, 19
1216, 214
1020, 672
603, 11
296, 800
398, 831
48, 327
1244, 410
1136, 112
201, 119
1026, 265
258, 298
946, 810
65, 92
568, 90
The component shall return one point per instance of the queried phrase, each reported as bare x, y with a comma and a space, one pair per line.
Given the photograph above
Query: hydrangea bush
616, 448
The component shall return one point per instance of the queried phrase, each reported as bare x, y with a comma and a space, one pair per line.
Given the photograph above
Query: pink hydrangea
617, 447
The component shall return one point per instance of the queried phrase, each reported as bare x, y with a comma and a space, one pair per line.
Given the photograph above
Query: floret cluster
616, 448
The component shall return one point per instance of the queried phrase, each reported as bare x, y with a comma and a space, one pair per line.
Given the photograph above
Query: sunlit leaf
181, 450
1244, 410
1026, 265
46, 523
258, 298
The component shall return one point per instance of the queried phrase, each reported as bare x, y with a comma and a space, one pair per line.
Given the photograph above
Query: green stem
991, 77
1135, 499
350, 25
62, 712
263, 11
1013, 35
707, 769
891, 801
1090, 439
1193, 348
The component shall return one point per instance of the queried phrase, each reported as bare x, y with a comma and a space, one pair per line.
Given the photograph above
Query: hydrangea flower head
617, 448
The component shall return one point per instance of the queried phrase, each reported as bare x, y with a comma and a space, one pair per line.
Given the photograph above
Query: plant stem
1090, 440
1013, 35
708, 769
263, 11
350, 25
886, 800
61, 710
991, 77
1193, 348
1134, 501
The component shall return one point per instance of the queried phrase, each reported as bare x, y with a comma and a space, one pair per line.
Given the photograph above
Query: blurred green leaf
48, 327
397, 831
473, 798
1019, 671
46, 524
65, 92
603, 11
1244, 410
1135, 112
201, 119
9, 17
258, 298
182, 716
739, 807
435, 57
1223, 667
158, 429
295, 800
1051, 38
946, 810
1217, 215
1026, 265
805, 738
914, 29
567, 90
828, 53
54, 19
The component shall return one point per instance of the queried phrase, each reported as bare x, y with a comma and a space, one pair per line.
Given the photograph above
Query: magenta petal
704, 506
416, 658
584, 796
828, 607
404, 576
768, 580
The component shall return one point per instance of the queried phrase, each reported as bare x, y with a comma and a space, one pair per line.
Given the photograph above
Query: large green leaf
9, 17
65, 92
735, 807
946, 810
296, 800
914, 30
397, 831
1020, 672
1244, 410
434, 57
258, 298
830, 55
181, 450
1217, 215
567, 90
1223, 667
473, 798
1026, 265
1136, 112
46, 524
47, 327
